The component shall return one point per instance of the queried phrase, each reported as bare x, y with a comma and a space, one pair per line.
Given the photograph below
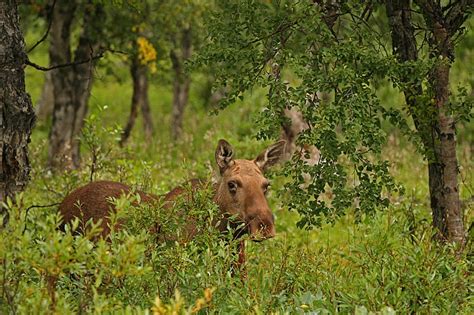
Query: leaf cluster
328, 62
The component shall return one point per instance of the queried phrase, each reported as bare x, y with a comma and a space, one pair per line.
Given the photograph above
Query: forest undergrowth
383, 264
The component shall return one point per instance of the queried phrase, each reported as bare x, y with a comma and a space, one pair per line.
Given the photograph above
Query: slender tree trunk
72, 85
405, 48
290, 133
139, 99
44, 107
443, 169
63, 80
17, 114
133, 111
146, 112
437, 132
181, 84
88, 45
180, 100
296, 124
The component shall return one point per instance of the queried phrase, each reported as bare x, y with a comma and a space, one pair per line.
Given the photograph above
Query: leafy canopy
328, 61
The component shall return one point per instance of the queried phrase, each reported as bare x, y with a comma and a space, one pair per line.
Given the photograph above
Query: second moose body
240, 193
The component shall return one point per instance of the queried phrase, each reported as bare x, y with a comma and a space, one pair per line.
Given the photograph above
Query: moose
240, 193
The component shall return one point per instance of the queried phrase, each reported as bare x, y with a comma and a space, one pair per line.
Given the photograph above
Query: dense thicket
370, 95
342, 49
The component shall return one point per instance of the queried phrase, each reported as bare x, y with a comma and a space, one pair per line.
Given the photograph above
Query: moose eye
232, 186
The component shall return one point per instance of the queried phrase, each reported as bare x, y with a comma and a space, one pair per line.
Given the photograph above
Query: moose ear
224, 153
271, 155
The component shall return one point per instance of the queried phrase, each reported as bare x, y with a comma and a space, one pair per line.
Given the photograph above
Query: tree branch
69, 64
280, 29
332, 12
430, 10
75, 63
50, 17
36, 206
457, 14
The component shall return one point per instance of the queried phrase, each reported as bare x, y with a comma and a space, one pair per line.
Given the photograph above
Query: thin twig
280, 29
37, 206
50, 17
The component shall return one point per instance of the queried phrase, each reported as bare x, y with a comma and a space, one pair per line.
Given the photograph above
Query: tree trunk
139, 99
63, 81
146, 112
290, 132
181, 84
405, 48
437, 132
443, 169
72, 85
17, 114
44, 107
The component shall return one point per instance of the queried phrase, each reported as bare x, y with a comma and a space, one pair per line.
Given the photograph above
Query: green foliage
49, 270
329, 62
381, 264
388, 265
358, 261
292, 40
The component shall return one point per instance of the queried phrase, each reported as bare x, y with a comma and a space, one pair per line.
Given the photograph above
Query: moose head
242, 188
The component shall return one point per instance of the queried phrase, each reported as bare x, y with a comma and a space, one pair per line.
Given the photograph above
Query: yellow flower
200, 303
146, 51
208, 294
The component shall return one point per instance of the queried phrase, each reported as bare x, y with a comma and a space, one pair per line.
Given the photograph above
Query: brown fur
94, 201
249, 203
239, 192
